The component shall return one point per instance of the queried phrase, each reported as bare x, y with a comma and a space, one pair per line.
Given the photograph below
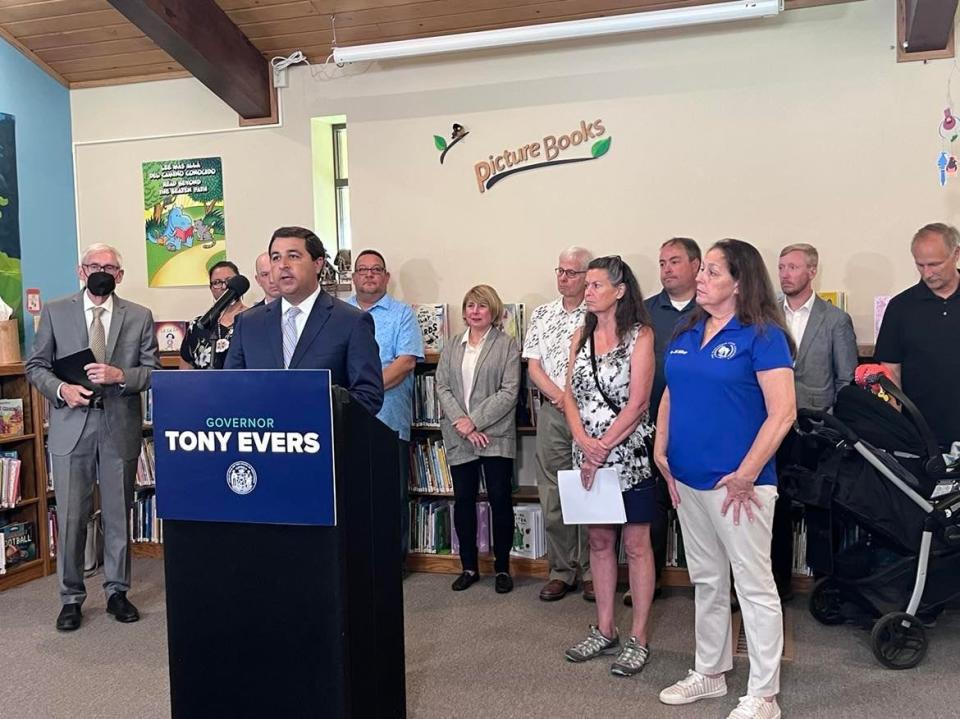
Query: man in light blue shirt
401, 347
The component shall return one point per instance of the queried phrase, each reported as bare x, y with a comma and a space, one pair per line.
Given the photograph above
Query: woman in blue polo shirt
728, 404
608, 393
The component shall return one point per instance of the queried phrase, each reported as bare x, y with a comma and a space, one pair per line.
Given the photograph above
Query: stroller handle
830, 421
935, 462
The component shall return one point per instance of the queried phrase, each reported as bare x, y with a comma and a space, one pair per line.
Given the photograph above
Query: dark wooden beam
200, 36
927, 24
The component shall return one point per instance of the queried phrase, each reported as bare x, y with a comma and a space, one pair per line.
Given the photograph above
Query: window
341, 185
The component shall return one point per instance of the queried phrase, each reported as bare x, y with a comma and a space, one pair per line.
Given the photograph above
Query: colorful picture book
879, 308
11, 417
170, 335
512, 321
433, 326
19, 543
529, 539
837, 299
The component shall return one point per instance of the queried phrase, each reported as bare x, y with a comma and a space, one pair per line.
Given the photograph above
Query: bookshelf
33, 496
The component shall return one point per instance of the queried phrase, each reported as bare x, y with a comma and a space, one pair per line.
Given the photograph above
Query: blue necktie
289, 334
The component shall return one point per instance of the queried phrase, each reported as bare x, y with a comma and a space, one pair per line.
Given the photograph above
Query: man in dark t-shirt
919, 340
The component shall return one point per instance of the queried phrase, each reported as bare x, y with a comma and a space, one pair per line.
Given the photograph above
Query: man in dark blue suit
308, 329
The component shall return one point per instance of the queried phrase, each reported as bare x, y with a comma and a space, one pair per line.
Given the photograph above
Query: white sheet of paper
603, 504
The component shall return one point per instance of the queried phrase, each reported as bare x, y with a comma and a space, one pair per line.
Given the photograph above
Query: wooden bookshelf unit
30, 450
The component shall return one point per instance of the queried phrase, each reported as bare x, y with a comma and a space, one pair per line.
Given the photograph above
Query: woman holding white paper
608, 392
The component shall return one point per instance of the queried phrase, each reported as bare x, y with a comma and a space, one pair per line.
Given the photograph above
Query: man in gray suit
95, 435
825, 363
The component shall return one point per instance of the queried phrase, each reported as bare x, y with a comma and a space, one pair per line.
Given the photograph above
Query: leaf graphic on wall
440, 142
600, 147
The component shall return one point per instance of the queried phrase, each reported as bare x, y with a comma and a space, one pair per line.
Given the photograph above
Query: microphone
236, 286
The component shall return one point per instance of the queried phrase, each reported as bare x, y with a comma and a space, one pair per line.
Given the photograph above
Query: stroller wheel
825, 602
899, 640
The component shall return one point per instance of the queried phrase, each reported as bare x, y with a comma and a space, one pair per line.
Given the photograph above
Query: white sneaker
755, 708
693, 687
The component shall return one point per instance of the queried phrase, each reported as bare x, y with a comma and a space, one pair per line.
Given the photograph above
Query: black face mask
101, 284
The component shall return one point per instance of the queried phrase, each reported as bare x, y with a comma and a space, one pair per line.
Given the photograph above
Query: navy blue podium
280, 500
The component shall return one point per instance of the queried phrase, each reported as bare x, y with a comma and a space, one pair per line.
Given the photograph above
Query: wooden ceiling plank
106, 62
72, 38
126, 80
928, 24
30, 55
49, 9
131, 72
288, 10
199, 35
76, 21
97, 49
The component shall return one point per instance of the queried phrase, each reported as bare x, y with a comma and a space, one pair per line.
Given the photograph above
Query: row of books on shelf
11, 417
53, 531
146, 464
10, 485
432, 529
426, 407
146, 403
19, 543
145, 525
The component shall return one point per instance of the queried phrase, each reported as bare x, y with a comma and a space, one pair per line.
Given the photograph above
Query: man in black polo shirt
679, 264
919, 339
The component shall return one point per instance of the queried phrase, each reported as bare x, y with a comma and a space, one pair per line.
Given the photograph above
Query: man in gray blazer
826, 344
95, 435
826, 361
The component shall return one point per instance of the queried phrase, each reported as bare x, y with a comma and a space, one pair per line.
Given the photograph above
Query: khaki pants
713, 545
567, 549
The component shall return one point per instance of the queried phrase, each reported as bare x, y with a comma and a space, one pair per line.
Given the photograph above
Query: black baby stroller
883, 518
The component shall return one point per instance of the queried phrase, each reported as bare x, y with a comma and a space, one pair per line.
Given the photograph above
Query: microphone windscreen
239, 284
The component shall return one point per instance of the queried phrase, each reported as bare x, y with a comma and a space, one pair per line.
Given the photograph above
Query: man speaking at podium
308, 329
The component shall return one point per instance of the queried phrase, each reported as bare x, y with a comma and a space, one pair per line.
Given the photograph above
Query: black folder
69, 369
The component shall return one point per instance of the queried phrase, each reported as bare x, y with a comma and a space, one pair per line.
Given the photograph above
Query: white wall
801, 128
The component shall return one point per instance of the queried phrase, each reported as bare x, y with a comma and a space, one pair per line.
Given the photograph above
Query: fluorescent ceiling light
653, 20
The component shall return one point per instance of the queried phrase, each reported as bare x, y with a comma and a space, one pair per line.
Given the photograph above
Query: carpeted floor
470, 654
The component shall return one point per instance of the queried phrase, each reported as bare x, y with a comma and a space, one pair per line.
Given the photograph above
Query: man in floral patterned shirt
547, 349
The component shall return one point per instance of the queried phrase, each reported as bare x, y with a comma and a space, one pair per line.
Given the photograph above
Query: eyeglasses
377, 271
571, 274
94, 267
218, 283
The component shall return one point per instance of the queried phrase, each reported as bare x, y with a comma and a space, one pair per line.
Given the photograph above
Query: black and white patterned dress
613, 370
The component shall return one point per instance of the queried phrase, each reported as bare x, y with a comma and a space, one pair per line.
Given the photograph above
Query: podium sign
249, 446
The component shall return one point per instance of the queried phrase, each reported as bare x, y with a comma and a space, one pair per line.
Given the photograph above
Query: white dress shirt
471, 353
306, 307
797, 319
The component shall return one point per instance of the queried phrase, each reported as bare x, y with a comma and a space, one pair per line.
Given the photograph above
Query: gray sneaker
593, 646
631, 659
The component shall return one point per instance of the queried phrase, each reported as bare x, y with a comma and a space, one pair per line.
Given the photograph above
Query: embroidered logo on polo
241, 477
724, 350
678, 352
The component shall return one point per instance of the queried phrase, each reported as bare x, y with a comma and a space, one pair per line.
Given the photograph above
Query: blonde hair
813, 257
486, 296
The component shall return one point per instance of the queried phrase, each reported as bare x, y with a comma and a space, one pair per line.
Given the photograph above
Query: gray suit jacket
493, 403
826, 358
131, 346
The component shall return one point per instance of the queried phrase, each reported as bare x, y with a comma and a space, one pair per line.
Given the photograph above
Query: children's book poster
11, 278
183, 216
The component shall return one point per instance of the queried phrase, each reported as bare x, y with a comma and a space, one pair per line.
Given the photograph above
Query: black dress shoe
69, 618
464, 581
503, 583
120, 607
